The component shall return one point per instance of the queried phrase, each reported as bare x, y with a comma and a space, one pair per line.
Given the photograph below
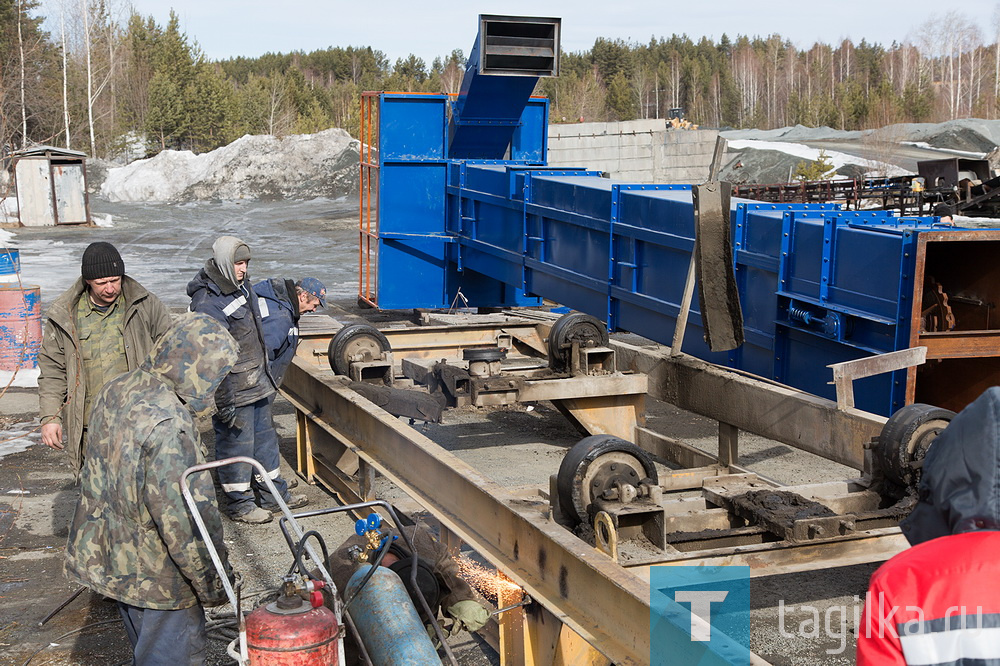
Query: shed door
69, 186
34, 192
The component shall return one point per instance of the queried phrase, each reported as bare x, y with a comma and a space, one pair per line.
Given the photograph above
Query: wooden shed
51, 186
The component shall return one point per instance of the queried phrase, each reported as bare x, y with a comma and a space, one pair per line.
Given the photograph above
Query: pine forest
114, 84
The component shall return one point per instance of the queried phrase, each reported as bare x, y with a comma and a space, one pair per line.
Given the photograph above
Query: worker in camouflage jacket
133, 538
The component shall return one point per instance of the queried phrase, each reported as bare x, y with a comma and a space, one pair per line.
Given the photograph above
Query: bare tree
65, 86
881, 149
20, 48
996, 58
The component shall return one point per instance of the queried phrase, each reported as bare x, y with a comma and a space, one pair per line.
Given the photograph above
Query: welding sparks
491, 584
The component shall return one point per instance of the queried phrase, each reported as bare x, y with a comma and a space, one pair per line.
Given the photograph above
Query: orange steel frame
368, 200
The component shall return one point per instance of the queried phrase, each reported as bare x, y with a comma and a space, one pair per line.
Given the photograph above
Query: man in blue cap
281, 304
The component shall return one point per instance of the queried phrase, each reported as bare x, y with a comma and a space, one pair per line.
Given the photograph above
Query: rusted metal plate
718, 296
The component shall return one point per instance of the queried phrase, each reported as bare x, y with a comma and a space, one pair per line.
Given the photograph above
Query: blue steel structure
467, 205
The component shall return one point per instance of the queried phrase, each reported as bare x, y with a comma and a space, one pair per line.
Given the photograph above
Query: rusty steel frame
754, 405
586, 599
947, 345
579, 586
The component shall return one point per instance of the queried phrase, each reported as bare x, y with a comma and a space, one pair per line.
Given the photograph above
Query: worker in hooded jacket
132, 538
282, 303
243, 424
939, 601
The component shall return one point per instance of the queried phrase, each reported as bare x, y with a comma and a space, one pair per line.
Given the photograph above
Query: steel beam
604, 603
781, 413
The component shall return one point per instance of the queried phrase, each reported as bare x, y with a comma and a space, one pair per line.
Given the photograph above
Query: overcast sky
431, 28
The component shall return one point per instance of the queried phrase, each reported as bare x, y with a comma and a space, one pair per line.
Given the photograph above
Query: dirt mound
753, 166
962, 138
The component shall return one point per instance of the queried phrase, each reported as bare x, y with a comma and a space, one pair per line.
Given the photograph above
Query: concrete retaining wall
637, 151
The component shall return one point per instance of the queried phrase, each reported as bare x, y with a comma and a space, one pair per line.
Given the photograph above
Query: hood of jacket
192, 358
960, 487
224, 255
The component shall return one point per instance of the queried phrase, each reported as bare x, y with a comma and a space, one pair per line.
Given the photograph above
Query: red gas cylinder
292, 632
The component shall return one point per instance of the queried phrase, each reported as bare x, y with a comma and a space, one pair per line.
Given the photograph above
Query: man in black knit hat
102, 326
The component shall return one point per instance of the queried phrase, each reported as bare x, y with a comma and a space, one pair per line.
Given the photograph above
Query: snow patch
8, 211
948, 151
19, 437
252, 167
23, 378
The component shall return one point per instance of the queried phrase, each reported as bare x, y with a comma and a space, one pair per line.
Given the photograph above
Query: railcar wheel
574, 327
906, 438
595, 464
355, 341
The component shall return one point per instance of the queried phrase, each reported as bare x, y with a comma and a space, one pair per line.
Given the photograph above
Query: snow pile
253, 167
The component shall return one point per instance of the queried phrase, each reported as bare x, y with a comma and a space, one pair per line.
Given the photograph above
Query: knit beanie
242, 253
101, 260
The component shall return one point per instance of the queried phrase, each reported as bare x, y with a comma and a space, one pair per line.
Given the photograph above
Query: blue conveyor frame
818, 285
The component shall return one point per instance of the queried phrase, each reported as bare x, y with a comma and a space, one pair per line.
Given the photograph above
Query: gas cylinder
387, 621
292, 631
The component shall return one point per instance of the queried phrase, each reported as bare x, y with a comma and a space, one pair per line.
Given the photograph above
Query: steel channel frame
339, 428
778, 412
601, 601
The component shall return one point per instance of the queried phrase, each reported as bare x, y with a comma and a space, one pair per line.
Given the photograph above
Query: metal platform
591, 600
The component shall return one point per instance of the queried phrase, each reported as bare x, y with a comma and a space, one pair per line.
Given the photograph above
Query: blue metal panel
412, 127
530, 142
411, 274
818, 285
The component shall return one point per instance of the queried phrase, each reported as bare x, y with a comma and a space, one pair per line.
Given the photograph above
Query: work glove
227, 415
468, 615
